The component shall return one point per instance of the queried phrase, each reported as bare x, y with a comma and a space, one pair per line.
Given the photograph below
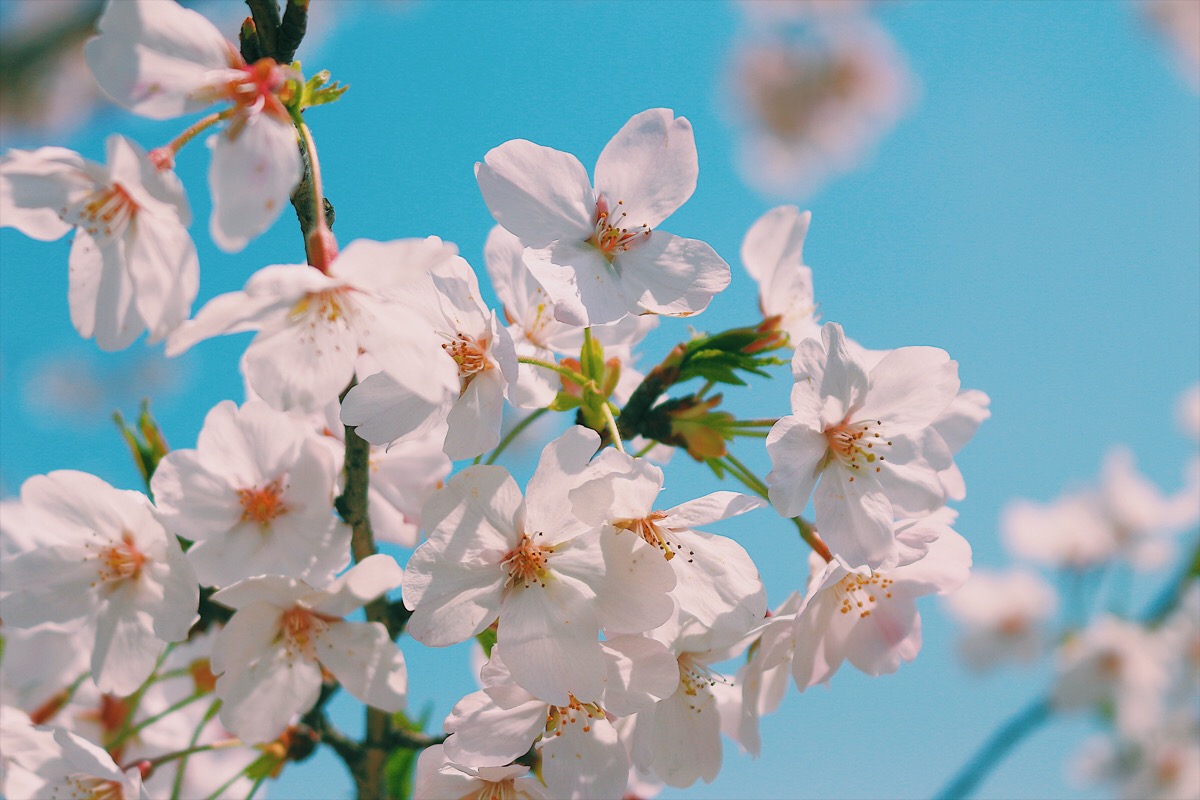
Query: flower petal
650, 166
537, 193
253, 172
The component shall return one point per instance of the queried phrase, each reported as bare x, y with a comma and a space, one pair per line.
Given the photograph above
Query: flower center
89, 787
696, 677
857, 444
526, 563
558, 717
498, 790
121, 561
648, 528
105, 213
300, 627
328, 305
471, 356
861, 593
252, 89
262, 505
610, 235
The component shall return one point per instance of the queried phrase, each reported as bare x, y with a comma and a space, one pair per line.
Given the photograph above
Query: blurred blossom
1068, 533
73, 388
1187, 411
1177, 22
775, 11
1005, 616
815, 108
1164, 765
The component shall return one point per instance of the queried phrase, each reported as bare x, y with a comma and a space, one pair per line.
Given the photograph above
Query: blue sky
1037, 214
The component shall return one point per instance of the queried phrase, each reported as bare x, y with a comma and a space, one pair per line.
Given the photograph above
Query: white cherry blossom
255, 497
58, 763
284, 632
438, 777
468, 413
311, 325
133, 266
161, 60
864, 440
552, 580
773, 254
1070, 532
598, 252
105, 558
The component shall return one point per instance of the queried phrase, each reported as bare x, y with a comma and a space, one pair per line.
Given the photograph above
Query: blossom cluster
213, 616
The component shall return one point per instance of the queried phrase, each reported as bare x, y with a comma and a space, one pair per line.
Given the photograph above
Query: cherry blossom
255, 497
870, 618
1069, 532
311, 325
1162, 765
468, 414
161, 60
438, 777
58, 763
864, 440
284, 633
552, 580
597, 252
773, 254
103, 557
1005, 615
133, 266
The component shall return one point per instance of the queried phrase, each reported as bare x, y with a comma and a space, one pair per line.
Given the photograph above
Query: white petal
585, 288
474, 420
303, 366
366, 661
650, 165
537, 193
493, 727
37, 186
635, 593
248, 636
549, 638
712, 508
561, 467
259, 701
797, 453
641, 671
126, 649
100, 293
855, 518
165, 272
687, 735
365, 581
667, 274
910, 388
151, 56
588, 765
381, 410
252, 175
775, 242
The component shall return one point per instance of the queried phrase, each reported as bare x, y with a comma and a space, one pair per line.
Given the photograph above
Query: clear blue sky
1037, 215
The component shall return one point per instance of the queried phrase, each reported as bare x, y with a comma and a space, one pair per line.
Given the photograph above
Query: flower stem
611, 421
570, 374
148, 721
1020, 725
807, 532
177, 785
318, 194
514, 433
158, 761
196, 128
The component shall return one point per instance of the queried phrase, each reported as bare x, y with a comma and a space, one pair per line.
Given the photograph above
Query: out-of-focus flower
1005, 614
133, 266
1178, 23
1070, 532
812, 109
1164, 765
1187, 412
597, 252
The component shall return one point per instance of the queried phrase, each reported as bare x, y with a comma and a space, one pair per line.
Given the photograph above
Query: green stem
743, 473
569, 374
807, 532
642, 453
751, 423
318, 195
148, 721
177, 785
220, 792
514, 433
257, 785
158, 761
611, 421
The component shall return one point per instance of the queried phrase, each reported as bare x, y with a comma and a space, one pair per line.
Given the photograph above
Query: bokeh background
1035, 211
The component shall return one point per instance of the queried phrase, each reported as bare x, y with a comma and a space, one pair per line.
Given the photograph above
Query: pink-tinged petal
258, 702
381, 410
152, 56
537, 193
226, 557
711, 508
165, 272
42, 585
718, 585
650, 166
549, 638
394, 269
248, 636
640, 672
624, 488
511, 279
126, 648
687, 737
450, 604
275, 589
910, 475
437, 777
493, 727
37, 186
775, 242
100, 293
945, 567
174, 612
910, 388
303, 366
403, 479
84, 502
798, 453
830, 381
366, 661
667, 274
589, 764
232, 312
563, 465
854, 518
959, 421
253, 173
368, 579
635, 593
476, 518
879, 643
820, 645
474, 420
584, 287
